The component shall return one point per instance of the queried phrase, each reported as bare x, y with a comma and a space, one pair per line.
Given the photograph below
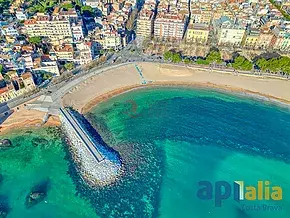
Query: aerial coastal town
40, 40
120, 106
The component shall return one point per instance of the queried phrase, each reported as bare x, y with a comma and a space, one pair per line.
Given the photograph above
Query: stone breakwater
94, 171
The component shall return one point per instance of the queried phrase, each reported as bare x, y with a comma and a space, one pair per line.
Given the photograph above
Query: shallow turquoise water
30, 163
189, 135
169, 139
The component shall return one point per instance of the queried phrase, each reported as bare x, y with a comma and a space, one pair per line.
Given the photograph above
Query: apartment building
145, 23
8, 92
197, 33
77, 30
231, 34
266, 39
16, 86
63, 52
201, 16
28, 81
93, 3
54, 27
9, 30
169, 25
112, 40
282, 41
20, 14
46, 63
83, 53
251, 38
59, 26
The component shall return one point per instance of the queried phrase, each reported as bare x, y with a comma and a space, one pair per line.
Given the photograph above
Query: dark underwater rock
4, 207
39, 141
3, 213
37, 194
5, 143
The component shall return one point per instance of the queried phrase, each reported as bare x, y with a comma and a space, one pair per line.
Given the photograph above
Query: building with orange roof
28, 81
63, 52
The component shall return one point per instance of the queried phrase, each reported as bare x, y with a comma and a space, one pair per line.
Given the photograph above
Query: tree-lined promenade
276, 65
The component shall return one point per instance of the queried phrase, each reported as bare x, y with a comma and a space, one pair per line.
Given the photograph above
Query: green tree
4, 5
262, 63
187, 61
214, 56
35, 40
69, 66
284, 13
172, 56
176, 58
87, 10
167, 55
1, 68
274, 65
131, 22
41, 6
241, 63
6, 77
46, 76
202, 61
67, 6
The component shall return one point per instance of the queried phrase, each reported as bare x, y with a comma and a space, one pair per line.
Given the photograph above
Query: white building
20, 15
83, 54
77, 31
230, 33
9, 31
92, 3
47, 64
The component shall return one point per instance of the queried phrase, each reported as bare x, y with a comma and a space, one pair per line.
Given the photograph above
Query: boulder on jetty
5, 143
37, 194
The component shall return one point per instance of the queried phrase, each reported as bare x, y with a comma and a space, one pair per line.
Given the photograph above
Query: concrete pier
67, 116
97, 164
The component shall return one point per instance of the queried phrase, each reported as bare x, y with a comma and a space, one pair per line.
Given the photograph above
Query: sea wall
93, 170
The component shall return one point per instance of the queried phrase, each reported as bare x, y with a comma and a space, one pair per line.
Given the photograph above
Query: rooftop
26, 75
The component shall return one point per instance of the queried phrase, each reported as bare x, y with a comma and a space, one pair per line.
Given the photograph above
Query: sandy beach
113, 82
22, 117
110, 83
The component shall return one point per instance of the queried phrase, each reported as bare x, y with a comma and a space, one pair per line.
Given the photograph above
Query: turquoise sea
169, 139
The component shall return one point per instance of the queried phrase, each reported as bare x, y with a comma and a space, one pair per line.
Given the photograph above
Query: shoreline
100, 87
31, 123
226, 89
